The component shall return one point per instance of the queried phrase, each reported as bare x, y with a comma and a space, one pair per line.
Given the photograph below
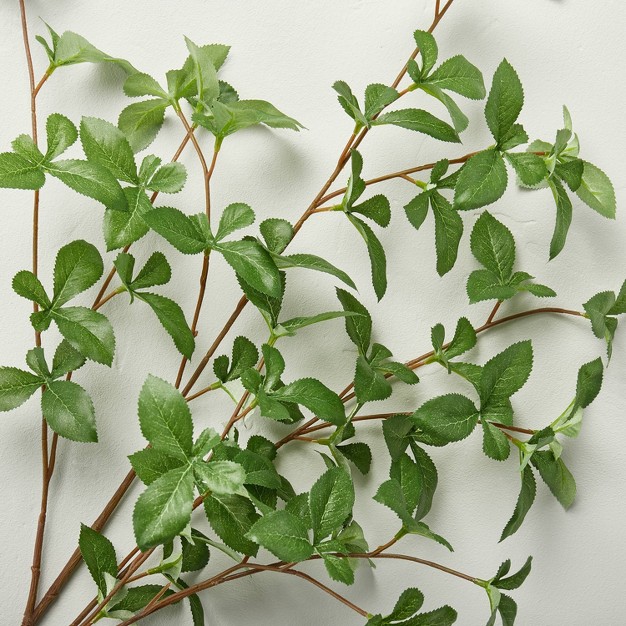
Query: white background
290, 53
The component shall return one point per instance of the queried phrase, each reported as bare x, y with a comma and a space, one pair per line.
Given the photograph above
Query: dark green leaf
16, 386
420, 121
234, 217
516, 580
150, 464
377, 256
451, 417
77, 267
556, 475
485, 285
448, 233
377, 97
407, 605
27, 285
195, 555
530, 168
66, 359
376, 208
358, 327
563, 217
177, 228
459, 75
316, 397
524, 502
359, 453
589, 382
61, 134
464, 339
277, 233
284, 535
505, 101
493, 245
369, 383
99, 556
313, 262
507, 372
495, 444
331, 501
121, 228
231, 517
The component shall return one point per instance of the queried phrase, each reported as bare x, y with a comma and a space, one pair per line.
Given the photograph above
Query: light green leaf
316, 397
251, 112
331, 500
105, 144
77, 267
505, 100
69, 411
205, 72
61, 134
16, 386
596, 190
482, 180
221, 477
142, 121
140, 84
284, 535
450, 417
18, 173
493, 245
177, 228
377, 97
88, 331
420, 121
254, 264
91, 180
427, 48
163, 510
168, 179
234, 217
99, 556
459, 75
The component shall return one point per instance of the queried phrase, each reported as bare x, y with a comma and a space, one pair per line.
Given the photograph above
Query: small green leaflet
505, 101
448, 418
524, 502
99, 556
482, 180
331, 500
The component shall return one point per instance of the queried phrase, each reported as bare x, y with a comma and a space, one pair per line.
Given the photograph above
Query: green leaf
27, 285
163, 510
331, 501
485, 285
170, 178
234, 217
443, 616
417, 209
61, 134
121, 228
420, 121
359, 454
369, 383
556, 475
177, 228
376, 208
16, 386
493, 245
495, 444
377, 97
262, 112
277, 234
459, 75
448, 232
195, 555
450, 417
289, 327
140, 84
358, 327
221, 477
530, 168
156, 271
312, 262
349, 103
284, 535
205, 72
407, 605
515, 580
91, 180
18, 173
459, 119
339, 568
142, 121
589, 382
104, 144
26, 147
254, 264
482, 181
165, 418
173, 320
231, 517
377, 256
150, 464
505, 100
66, 359
316, 397
524, 502
427, 48
563, 217
77, 267
464, 339
245, 355
88, 331
596, 191
69, 411
507, 372
99, 556
135, 599
71, 48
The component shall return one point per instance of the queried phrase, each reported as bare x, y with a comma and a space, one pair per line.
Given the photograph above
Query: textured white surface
290, 53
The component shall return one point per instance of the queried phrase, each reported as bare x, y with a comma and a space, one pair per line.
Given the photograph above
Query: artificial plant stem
496, 306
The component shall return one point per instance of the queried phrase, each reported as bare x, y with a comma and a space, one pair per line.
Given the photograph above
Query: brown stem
420, 360
497, 305
104, 300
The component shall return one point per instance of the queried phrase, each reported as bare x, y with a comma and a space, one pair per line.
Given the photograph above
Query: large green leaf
16, 386
78, 266
18, 173
142, 121
507, 372
316, 397
331, 500
459, 75
596, 190
448, 418
284, 535
493, 245
99, 556
231, 517
121, 228
482, 180
179, 229
505, 100
420, 121
69, 411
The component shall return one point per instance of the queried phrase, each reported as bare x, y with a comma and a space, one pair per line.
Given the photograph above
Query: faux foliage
248, 510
